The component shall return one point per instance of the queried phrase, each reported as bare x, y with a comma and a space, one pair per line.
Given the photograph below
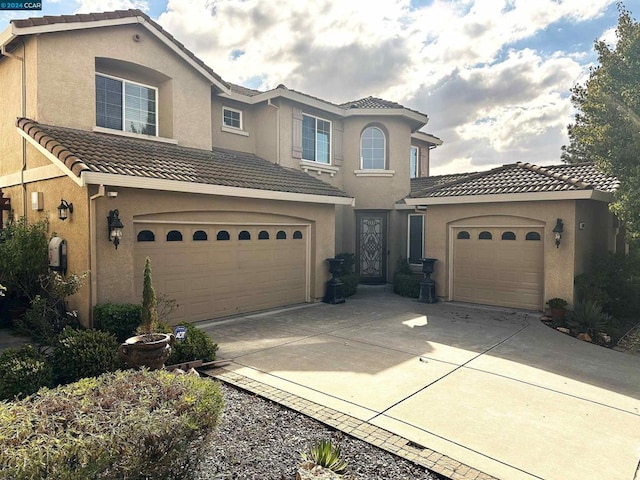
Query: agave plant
587, 317
327, 455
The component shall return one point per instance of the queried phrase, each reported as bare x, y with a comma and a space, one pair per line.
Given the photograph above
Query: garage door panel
496, 271
213, 278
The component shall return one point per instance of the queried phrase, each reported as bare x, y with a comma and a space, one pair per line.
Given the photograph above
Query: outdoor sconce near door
64, 209
557, 230
115, 227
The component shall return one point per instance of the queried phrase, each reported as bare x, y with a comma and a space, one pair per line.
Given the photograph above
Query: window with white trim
231, 118
126, 106
316, 139
372, 149
415, 239
414, 162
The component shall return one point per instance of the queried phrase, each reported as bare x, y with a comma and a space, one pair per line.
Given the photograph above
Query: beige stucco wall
558, 262
66, 80
115, 267
597, 236
228, 139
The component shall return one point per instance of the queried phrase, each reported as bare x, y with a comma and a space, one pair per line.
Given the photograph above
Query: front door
371, 241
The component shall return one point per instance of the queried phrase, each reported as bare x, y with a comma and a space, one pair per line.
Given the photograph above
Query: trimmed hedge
121, 319
84, 353
23, 371
407, 284
132, 424
197, 346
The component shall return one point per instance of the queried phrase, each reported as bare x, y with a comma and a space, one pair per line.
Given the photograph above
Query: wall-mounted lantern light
115, 227
557, 230
64, 209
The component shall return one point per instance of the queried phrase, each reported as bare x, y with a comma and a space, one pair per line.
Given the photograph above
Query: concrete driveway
493, 389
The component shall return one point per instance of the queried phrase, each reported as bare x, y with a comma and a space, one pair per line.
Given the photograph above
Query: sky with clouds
494, 76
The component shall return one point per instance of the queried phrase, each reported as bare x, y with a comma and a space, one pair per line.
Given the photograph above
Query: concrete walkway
493, 389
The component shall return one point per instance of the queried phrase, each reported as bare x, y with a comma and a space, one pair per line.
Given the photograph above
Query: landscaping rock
311, 471
584, 336
564, 330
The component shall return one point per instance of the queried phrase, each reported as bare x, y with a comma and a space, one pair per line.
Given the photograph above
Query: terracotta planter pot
150, 350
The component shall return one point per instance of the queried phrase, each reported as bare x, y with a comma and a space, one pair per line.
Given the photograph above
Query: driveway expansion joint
360, 429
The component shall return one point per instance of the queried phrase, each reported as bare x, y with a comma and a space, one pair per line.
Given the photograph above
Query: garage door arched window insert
263, 235
508, 236
485, 236
244, 235
281, 235
146, 236
297, 235
532, 236
463, 235
199, 236
223, 235
174, 236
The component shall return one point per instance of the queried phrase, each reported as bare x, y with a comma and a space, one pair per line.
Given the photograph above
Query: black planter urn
427, 285
335, 287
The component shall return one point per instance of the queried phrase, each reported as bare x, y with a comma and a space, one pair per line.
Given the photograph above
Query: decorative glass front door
372, 246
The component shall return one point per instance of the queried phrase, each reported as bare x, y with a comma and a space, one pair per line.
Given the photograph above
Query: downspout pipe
277, 130
93, 258
3, 50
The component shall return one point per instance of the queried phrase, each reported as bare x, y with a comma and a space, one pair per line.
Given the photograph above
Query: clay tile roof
515, 178
248, 92
104, 153
93, 17
370, 102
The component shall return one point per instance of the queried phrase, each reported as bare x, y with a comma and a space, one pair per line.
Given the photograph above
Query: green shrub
587, 317
197, 346
84, 353
121, 319
349, 278
407, 284
23, 371
44, 319
129, 424
327, 455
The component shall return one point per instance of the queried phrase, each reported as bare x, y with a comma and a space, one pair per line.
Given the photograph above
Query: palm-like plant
327, 455
587, 317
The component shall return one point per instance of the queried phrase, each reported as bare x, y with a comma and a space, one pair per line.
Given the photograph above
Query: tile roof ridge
33, 129
457, 181
576, 182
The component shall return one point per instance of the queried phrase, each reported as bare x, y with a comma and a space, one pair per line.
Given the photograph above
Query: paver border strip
360, 429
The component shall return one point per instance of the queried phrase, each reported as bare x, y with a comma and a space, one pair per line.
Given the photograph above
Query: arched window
532, 236
372, 149
199, 235
263, 235
485, 236
297, 235
174, 236
508, 236
463, 235
281, 235
223, 235
244, 235
146, 236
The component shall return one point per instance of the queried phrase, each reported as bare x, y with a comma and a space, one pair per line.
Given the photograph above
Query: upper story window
231, 118
125, 105
372, 149
414, 162
316, 139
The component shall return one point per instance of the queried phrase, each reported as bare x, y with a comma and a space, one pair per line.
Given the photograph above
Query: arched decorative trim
463, 235
484, 235
146, 236
174, 236
508, 236
532, 236
281, 235
200, 235
223, 235
263, 235
297, 235
373, 149
244, 235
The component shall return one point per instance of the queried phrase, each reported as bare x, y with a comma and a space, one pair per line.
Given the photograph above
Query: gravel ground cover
260, 440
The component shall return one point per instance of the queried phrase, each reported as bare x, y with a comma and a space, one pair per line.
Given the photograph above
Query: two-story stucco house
239, 196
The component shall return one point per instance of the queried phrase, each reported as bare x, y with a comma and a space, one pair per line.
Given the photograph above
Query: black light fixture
557, 230
115, 227
64, 209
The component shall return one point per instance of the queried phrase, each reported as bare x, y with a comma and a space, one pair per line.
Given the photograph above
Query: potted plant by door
558, 310
149, 348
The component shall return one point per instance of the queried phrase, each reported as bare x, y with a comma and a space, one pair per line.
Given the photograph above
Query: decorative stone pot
335, 287
149, 350
427, 285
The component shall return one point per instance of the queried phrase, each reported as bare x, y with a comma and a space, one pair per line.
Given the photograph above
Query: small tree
149, 316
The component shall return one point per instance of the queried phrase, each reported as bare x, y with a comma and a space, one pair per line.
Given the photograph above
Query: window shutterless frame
131, 102
414, 162
316, 139
232, 118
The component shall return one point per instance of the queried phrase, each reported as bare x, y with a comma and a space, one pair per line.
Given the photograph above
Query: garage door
221, 270
498, 266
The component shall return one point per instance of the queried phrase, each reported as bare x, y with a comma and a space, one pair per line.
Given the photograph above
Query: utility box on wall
58, 254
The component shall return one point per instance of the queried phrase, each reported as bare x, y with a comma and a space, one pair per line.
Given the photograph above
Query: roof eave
426, 137
596, 195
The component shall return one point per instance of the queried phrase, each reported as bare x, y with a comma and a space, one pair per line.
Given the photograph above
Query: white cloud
91, 6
